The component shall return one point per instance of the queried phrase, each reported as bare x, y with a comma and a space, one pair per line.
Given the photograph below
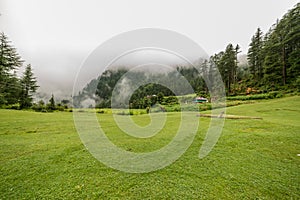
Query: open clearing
42, 157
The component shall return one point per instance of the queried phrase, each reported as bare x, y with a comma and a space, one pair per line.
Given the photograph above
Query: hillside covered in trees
273, 65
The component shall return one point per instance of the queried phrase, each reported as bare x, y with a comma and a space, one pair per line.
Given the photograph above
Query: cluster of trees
101, 89
227, 64
13, 89
274, 60
150, 94
51, 106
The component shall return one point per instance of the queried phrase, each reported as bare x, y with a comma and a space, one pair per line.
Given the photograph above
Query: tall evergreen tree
255, 55
29, 87
10, 60
227, 65
51, 105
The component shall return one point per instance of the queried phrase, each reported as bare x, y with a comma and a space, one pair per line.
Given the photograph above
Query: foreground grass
42, 157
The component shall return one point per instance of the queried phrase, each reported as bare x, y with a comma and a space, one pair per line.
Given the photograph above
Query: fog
56, 37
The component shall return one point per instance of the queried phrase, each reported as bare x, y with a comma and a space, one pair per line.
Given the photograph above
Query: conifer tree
29, 87
10, 61
255, 55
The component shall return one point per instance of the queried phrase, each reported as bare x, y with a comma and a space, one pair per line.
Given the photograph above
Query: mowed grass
42, 157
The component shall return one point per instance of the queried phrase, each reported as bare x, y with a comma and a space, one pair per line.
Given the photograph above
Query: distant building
200, 100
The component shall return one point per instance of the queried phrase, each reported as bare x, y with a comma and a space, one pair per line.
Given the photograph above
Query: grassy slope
43, 157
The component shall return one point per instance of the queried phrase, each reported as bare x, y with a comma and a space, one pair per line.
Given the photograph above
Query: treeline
16, 92
101, 90
51, 106
273, 60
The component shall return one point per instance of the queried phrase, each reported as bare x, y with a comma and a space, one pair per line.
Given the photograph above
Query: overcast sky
55, 36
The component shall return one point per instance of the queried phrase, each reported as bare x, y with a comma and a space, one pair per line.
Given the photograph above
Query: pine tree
29, 87
255, 55
227, 65
9, 62
51, 105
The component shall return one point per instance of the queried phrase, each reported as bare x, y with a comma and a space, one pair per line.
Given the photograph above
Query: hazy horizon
56, 37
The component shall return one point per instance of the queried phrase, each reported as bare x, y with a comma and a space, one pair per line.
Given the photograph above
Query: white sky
55, 36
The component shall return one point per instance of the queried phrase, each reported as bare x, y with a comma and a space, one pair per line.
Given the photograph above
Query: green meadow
42, 157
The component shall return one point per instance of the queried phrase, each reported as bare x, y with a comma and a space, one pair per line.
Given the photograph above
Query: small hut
200, 100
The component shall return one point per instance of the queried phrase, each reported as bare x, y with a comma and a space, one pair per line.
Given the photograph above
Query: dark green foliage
255, 55
149, 95
14, 90
160, 97
65, 102
107, 82
51, 104
9, 62
29, 87
274, 60
39, 107
144, 96
11, 90
194, 77
270, 95
50, 107
170, 100
226, 63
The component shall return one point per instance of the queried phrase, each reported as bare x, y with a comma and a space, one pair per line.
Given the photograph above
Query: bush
171, 100
38, 107
100, 111
13, 106
270, 95
297, 84
60, 108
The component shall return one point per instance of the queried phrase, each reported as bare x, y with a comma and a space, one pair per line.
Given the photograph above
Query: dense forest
273, 65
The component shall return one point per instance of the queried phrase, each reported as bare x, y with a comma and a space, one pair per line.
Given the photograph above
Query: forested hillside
273, 65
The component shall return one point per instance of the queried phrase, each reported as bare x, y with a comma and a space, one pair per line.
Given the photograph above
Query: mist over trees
273, 65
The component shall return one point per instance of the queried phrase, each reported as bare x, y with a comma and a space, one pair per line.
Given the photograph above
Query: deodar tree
10, 61
13, 89
29, 87
255, 55
274, 60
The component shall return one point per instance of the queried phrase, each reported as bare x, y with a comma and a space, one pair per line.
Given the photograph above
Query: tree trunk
283, 66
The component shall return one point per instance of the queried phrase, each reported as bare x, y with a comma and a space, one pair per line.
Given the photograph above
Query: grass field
42, 157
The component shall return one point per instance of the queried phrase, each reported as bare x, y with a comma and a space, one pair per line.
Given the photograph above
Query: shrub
270, 95
170, 100
60, 108
100, 111
13, 106
38, 107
